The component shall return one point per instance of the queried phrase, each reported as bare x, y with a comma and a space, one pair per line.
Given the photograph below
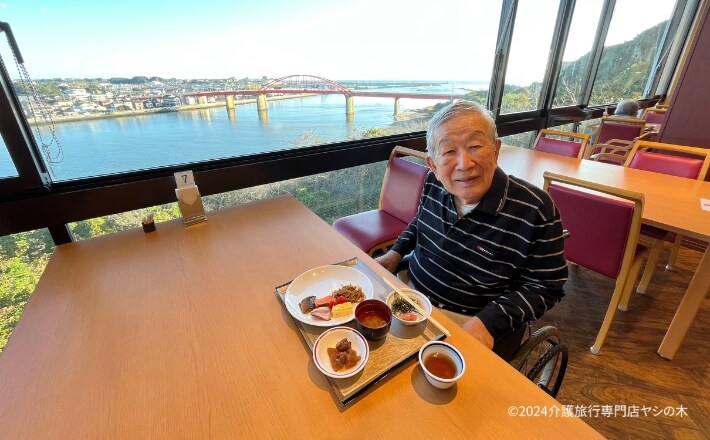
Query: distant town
71, 99
63, 99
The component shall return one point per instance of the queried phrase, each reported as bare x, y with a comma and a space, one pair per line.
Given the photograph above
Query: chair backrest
654, 115
671, 159
565, 147
603, 222
626, 129
402, 184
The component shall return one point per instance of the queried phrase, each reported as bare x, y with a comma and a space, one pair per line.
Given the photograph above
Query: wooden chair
616, 136
675, 160
612, 251
561, 142
653, 115
399, 201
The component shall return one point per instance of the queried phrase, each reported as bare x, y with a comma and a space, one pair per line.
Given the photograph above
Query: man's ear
498, 145
431, 164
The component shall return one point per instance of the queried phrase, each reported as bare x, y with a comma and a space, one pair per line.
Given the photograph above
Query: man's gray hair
456, 108
627, 107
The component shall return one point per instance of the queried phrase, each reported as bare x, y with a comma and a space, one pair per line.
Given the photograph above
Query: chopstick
416, 306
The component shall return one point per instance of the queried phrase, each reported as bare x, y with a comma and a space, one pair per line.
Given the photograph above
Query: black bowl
373, 319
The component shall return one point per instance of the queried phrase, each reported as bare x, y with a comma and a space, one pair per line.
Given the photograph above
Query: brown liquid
440, 365
371, 320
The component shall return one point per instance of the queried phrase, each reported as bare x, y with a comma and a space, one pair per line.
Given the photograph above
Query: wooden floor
629, 371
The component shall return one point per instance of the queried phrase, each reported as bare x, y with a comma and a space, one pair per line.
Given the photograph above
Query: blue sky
337, 39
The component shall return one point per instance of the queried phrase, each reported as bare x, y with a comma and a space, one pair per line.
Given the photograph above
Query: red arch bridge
313, 85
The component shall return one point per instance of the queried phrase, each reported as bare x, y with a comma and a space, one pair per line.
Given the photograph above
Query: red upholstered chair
564, 143
616, 136
675, 160
399, 201
654, 115
612, 251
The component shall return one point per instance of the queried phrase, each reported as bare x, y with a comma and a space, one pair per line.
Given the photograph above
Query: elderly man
487, 248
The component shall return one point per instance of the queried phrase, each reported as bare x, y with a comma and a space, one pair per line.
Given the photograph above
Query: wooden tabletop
178, 334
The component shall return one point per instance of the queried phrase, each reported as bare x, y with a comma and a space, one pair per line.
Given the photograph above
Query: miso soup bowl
373, 307
442, 348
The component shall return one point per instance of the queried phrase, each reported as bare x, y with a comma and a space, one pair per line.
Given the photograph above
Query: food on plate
403, 310
342, 356
323, 313
307, 304
343, 309
352, 293
336, 306
325, 301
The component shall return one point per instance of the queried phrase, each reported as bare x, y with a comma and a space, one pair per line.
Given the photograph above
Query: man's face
466, 157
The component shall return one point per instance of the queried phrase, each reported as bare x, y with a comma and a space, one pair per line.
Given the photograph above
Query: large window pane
631, 44
23, 258
575, 59
7, 168
120, 79
530, 46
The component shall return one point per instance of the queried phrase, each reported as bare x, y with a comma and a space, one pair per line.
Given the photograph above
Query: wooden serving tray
401, 345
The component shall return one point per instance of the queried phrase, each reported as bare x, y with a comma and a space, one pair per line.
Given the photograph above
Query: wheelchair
542, 357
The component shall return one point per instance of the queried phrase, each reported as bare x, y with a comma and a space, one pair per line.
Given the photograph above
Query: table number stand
189, 199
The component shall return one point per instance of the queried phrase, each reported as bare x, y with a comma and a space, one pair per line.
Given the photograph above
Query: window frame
35, 201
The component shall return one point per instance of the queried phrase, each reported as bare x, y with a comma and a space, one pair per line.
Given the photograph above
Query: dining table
672, 203
180, 334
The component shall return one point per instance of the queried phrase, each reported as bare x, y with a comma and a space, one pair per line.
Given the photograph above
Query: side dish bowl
373, 319
329, 339
415, 296
442, 363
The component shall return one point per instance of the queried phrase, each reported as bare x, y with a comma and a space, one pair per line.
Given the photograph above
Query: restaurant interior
129, 334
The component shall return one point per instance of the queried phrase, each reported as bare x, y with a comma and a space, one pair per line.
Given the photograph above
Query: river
107, 146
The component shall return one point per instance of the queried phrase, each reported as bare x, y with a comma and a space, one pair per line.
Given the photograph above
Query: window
131, 91
575, 60
530, 46
23, 258
7, 168
522, 140
631, 43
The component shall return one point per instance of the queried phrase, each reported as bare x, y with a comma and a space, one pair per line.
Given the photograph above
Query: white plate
320, 282
330, 338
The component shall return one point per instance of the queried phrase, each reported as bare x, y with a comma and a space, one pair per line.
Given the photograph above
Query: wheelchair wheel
543, 359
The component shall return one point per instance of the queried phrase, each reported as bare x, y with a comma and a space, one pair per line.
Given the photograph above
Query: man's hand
475, 327
390, 260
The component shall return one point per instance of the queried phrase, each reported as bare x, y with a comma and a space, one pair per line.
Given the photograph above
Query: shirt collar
492, 202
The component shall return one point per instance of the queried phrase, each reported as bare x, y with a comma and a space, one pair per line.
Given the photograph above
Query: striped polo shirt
503, 261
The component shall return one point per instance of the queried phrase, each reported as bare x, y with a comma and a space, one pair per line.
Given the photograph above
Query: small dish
373, 319
329, 339
415, 296
442, 363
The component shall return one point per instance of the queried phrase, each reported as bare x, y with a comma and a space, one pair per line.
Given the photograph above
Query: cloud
43, 9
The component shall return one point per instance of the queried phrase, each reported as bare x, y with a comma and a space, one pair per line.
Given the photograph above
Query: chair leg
674, 252
622, 288
629, 285
650, 266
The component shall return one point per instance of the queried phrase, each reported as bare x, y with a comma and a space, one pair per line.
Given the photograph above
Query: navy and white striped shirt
503, 261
